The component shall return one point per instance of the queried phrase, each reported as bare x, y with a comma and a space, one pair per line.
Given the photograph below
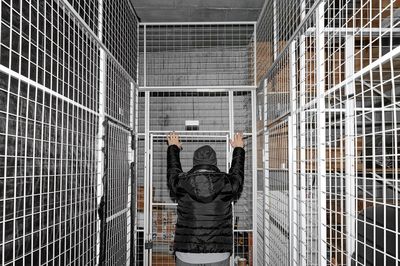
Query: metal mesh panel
164, 221
116, 183
159, 162
140, 201
170, 110
243, 209
118, 93
342, 107
141, 55
50, 122
242, 113
198, 55
49, 125
121, 33
265, 41
277, 197
48, 174
260, 228
116, 241
276, 25
141, 112
66, 62
139, 247
278, 90
163, 209
243, 247
88, 11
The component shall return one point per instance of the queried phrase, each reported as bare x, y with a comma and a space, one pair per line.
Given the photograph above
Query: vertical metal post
350, 188
266, 178
131, 160
150, 198
254, 170
144, 55
136, 170
136, 130
100, 134
321, 140
302, 157
255, 55
229, 155
292, 127
147, 185
275, 30
100, 142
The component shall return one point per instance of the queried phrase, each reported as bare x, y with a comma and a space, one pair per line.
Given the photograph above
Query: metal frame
148, 134
344, 81
321, 139
85, 37
198, 88
350, 149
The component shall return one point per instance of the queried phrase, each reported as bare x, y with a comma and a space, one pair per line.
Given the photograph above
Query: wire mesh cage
341, 97
53, 71
39, 141
116, 186
187, 55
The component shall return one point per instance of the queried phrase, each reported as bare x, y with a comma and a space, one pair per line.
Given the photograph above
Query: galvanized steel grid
197, 55
52, 66
342, 122
176, 108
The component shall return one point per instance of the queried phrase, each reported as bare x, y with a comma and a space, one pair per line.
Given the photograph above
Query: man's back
204, 196
204, 224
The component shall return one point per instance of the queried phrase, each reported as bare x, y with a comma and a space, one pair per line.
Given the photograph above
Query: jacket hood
205, 155
204, 183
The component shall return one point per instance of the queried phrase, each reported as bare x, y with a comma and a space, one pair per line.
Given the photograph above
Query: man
204, 195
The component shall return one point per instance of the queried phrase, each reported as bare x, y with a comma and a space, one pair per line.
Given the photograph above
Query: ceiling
197, 10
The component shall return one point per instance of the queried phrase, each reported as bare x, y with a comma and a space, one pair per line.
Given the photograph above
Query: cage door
161, 218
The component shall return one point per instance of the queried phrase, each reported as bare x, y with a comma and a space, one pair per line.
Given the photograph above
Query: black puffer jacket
204, 196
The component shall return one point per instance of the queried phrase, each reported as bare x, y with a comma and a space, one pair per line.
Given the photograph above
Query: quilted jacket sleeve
236, 172
174, 169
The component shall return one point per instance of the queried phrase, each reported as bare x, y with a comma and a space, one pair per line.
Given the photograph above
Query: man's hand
173, 139
237, 141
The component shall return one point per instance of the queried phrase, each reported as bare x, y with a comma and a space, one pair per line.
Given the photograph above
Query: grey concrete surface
197, 10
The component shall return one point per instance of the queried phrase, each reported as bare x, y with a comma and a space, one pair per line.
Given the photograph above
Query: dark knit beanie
205, 155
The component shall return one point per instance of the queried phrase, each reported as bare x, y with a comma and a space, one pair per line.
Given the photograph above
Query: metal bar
196, 88
100, 144
150, 187
94, 36
159, 132
395, 52
254, 164
351, 192
255, 56
198, 23
275, 37
131, 212
136, 129
321, 139
266, 178
115, 215
45, 89
191, 136
144, 58
147, 185
294, 34
355, 31
292, 137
